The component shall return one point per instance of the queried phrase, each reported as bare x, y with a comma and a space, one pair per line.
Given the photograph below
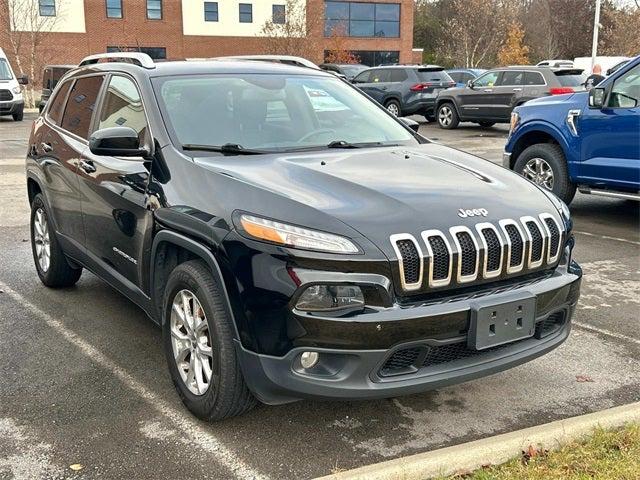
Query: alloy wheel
539, 172
393, 109
445, 116
191, 342
42, 240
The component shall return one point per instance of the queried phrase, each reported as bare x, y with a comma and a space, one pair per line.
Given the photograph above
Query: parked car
348, 70
321, 252
462, 75
555, 63
405, 90
490, 98
50, 77
11, 99
585, 140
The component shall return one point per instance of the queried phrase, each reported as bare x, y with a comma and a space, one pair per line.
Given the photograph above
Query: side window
533, 78
626, 90
57, 103
398, 75
381, 75
363, 77
122, 107
456, 76
80, 106
511, 77
486, 80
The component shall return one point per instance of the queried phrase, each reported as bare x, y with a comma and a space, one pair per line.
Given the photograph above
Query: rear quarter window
57, 104
570, 79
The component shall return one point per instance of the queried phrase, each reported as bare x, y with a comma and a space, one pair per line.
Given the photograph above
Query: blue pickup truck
588, 141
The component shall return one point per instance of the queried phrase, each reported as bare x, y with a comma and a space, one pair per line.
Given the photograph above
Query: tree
290, 35
336, 48
25, 31
513, 50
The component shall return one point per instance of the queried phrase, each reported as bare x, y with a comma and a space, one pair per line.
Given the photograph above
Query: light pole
596, 27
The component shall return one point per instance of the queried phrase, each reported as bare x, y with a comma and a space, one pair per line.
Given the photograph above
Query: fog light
330, 298
309, 359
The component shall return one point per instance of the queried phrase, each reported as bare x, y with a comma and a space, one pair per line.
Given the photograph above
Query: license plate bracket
494, 324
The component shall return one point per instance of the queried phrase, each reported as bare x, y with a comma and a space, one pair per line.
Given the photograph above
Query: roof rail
137, 58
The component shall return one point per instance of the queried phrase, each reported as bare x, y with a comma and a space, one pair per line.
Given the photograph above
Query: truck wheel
393, 106
544, 164
51, 264
19, 115
447, 116
198, 343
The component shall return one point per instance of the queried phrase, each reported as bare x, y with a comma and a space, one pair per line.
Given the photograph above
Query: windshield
5, 71
273, 112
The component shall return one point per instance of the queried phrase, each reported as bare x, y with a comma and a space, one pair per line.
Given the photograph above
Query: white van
11, 100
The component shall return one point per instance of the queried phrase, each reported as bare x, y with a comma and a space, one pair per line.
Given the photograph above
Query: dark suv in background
50, 77
405, 90
348, 70
249, 209
490, 98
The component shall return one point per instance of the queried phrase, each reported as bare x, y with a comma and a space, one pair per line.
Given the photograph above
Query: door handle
517, 89
46, 147
87, 166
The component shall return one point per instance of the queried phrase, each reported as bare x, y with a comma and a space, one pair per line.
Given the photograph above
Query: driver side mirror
117, 142
412, 124
597, 97
470, 84
23, 79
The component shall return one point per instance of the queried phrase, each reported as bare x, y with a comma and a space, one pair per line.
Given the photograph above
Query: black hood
385, 191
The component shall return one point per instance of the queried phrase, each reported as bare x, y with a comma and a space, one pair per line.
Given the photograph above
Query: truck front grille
463, 255
5, 95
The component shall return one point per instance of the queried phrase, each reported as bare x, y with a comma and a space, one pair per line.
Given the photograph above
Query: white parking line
606, 237
198, 435
608, 333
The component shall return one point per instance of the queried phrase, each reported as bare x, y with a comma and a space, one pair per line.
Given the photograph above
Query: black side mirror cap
596, 97
117, 142
23, 80
412, 124
470, 84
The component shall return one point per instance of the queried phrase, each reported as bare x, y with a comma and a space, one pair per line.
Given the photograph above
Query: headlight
16, 89
295, 237
330, 298
515, 120
562, 207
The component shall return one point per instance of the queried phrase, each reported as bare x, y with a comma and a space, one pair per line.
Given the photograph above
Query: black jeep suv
291, 237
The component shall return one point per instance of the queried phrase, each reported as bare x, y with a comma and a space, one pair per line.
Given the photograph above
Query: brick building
377, 31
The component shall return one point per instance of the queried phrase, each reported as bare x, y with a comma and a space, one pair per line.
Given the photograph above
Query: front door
611, 136
115, 216
474, 100
506, 93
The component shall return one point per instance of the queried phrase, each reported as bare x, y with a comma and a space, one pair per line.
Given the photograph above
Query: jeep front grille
464, 255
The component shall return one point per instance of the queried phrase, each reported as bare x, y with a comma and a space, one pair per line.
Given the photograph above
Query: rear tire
208, 345
393, 107
447, 116
51, 264
536, 161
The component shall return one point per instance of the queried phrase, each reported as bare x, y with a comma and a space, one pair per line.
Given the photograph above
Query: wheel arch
450, 100
534, 135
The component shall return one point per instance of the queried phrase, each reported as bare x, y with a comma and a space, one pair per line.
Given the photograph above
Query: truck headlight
330, 298
296, 237
515, 120
16, 89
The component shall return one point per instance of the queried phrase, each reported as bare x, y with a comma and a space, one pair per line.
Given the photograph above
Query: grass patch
606, 455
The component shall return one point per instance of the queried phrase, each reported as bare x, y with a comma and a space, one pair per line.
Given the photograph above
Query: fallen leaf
76, 467
583, 378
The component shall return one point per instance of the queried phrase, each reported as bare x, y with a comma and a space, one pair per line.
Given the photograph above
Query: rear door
474, 102
506, 93
534, 86
114, 193
611, 136
375, 82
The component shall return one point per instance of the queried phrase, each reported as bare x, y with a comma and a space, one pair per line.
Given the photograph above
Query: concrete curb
492, 450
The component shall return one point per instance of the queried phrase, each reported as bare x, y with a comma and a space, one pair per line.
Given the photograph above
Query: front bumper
347, 373
11, 107
506, 160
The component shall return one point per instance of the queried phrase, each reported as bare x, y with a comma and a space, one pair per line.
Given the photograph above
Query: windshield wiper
227, 148
344, 144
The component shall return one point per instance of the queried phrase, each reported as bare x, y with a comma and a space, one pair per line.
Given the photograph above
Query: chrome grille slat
487, 251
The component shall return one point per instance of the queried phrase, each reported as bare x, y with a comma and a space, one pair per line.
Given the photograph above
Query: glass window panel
337, 10
57, 104
279, 14
388, 12
80, 105
338, 28
47, 8
362, 11
154, 9
246, 12
486, 80
114, 8
533, 78
387, 29
210, 11
358, 28
511, 77
122, 107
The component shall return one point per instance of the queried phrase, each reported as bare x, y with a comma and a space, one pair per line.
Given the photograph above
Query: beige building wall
69, 17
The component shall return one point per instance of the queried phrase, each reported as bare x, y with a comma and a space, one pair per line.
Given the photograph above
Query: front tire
447, 116
199, 346
19, 115
393, 107
51, 264
545, 165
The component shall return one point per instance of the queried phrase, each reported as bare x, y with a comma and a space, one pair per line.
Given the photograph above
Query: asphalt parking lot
83, 378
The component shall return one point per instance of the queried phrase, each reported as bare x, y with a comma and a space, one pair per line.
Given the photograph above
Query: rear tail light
560, 90
422, 86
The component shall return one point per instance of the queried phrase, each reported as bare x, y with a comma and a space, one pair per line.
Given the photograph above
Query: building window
279, 14
373, 58
47, 8
246, 13
154, 9
156, 53
210, 11
114, 8
359, 19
